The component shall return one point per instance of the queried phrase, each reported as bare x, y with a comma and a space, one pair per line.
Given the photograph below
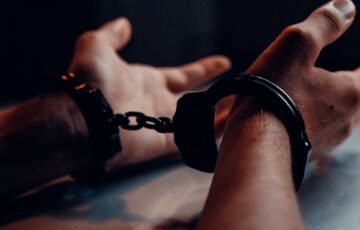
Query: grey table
168, 195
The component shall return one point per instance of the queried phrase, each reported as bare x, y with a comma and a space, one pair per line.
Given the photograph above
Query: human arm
46, 137
41, 139
328, 101
252, 186
138, 87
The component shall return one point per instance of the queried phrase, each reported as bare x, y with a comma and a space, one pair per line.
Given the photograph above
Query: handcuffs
192, 124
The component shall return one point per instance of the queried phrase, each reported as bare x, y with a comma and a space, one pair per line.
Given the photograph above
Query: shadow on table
329, 200
71, 200
176, 224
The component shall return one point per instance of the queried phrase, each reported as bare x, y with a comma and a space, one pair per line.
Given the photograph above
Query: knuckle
298, 35
89, 37
331, 20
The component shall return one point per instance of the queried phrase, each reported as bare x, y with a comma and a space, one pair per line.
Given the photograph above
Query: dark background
37, 37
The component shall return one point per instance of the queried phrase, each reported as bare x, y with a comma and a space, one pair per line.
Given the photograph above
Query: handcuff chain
137, 120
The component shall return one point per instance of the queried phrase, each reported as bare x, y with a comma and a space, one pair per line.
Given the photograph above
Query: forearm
253, 187
41, 139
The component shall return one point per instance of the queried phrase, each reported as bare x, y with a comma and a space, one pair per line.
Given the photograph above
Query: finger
301, 43
187, 76
117, 32
329, 22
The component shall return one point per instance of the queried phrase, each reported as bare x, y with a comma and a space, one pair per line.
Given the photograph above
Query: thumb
302, 43
329, 22
117, 32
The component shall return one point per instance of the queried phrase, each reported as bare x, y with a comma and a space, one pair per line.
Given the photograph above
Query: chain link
137, 120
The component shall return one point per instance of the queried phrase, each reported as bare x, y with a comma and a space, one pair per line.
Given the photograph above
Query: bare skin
138, 87
45, 138
252, 187
328, 101
244, 183
40, 140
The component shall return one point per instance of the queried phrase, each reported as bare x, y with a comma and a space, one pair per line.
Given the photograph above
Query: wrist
258, 134
69, 133
194, 124
73, 136
68, 116
41, 139
252, 121
62, 112
253, 174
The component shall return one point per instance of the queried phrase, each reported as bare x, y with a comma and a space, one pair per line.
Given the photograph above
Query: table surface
168, 195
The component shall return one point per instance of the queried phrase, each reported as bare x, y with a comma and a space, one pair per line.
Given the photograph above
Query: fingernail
345, 7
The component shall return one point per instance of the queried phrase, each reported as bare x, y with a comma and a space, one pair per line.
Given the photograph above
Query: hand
137, 87
328, 101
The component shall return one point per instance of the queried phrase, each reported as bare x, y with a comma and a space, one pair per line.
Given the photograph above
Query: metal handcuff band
193, 122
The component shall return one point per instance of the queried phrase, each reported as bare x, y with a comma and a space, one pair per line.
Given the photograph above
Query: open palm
138, 87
